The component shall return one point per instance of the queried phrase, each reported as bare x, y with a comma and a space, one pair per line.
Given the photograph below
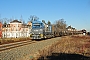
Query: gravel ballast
29, 52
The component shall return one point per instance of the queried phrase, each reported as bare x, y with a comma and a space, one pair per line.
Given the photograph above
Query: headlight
41, 35
30, 35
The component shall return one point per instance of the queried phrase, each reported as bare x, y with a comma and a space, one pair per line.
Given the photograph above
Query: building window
12, 34
26, 29
23, 29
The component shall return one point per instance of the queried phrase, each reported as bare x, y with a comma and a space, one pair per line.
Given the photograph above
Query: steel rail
14, 45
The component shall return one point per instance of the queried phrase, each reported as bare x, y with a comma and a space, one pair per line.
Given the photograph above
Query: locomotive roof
36, 21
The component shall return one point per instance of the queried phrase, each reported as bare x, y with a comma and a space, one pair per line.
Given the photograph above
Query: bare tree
1, 20
5, 20
61, 24
10, 19
33, 18
21, 18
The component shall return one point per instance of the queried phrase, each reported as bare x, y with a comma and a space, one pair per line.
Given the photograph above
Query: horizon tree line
60, 23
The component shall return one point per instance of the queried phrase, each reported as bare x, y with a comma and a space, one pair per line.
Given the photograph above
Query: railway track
14, 45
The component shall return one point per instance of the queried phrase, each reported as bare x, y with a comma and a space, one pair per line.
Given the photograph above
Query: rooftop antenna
21, 18
12, 18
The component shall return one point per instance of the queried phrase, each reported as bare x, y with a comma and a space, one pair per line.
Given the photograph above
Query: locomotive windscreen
37, 24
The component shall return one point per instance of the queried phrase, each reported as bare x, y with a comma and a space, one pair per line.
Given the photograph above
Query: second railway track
14, 45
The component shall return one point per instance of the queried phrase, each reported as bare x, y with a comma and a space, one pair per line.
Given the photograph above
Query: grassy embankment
10, 40
75, 44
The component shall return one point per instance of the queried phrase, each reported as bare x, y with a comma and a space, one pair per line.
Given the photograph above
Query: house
29, 24
69, 28
84, 31
5, 30
1, 30
15, 29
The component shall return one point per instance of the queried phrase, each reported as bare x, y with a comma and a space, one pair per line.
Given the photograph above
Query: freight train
41, 30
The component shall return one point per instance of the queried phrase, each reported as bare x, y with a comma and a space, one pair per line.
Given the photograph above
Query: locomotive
40, 30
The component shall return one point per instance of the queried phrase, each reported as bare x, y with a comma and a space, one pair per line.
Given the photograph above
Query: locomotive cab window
36, 25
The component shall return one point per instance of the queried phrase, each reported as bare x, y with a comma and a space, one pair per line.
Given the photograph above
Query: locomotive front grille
36, 36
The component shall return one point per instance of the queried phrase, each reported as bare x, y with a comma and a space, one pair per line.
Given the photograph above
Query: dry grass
75, 44
10, 40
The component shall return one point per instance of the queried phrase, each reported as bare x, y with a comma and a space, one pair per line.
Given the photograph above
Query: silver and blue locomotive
40, 30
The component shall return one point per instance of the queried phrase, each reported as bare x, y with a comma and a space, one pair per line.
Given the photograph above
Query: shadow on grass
40, 39
64, 56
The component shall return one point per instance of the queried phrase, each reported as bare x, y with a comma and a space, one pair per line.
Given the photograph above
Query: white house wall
16, 33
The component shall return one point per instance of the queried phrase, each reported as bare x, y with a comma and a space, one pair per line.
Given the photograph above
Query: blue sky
75, 12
